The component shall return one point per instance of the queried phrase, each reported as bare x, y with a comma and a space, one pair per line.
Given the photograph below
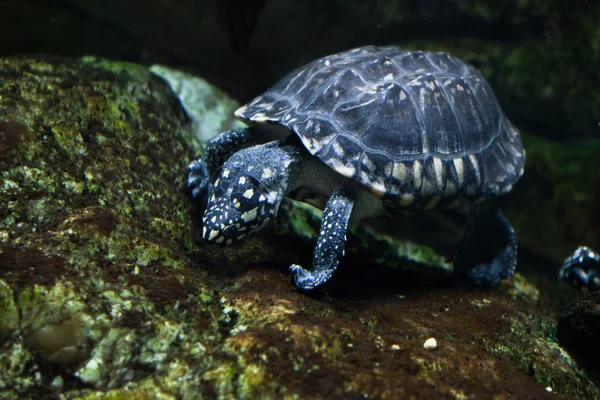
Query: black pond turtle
377, 131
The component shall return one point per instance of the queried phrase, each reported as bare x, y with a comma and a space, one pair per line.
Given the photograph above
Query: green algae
9, 313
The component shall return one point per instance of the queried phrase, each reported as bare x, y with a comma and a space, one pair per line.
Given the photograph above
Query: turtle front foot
198, 182
488, 252
582, 270
307, 280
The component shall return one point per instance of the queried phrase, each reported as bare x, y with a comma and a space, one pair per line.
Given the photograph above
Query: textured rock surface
209, 108
103, 290
579, 329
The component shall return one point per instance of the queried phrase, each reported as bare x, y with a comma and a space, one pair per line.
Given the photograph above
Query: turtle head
244, 198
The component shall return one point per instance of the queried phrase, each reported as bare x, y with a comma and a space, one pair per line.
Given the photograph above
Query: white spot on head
250, 215
327, 63
225, 173
259, 117
220, 240
213, 234
213, 219
242, 180
248, 193
389, 77
267, 173
272, 197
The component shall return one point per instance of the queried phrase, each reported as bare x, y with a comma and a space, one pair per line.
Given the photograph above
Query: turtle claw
582, 270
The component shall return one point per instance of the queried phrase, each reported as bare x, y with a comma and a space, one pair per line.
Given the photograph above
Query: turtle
371, 131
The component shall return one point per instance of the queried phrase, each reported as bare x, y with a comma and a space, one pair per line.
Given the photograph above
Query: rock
209, 108
579, 329
430, 344
106, 291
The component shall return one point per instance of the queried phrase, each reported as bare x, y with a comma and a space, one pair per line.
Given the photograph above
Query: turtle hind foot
488, 251
198, 182
582, 270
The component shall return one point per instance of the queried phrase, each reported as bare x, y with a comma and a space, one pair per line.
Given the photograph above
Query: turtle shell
418, 129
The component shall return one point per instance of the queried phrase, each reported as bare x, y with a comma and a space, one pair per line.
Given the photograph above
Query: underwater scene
275, 199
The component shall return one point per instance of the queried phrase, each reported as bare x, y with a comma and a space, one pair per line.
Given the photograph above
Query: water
107, 287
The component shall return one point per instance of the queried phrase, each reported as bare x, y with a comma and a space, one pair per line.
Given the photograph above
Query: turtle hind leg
488, 251
582, 270
330, 243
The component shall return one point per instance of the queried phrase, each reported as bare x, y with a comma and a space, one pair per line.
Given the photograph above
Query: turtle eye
247, 193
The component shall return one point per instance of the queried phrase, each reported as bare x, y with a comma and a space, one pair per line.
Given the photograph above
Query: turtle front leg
203, 172
330, 244
488, 252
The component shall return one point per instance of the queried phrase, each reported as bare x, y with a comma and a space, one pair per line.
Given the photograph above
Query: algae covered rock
106, 292
579, 329
209, 108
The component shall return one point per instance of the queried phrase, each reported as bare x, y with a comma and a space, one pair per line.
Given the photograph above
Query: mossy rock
99, 259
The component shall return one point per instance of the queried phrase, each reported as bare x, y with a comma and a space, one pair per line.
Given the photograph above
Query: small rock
430, 344
57, 384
